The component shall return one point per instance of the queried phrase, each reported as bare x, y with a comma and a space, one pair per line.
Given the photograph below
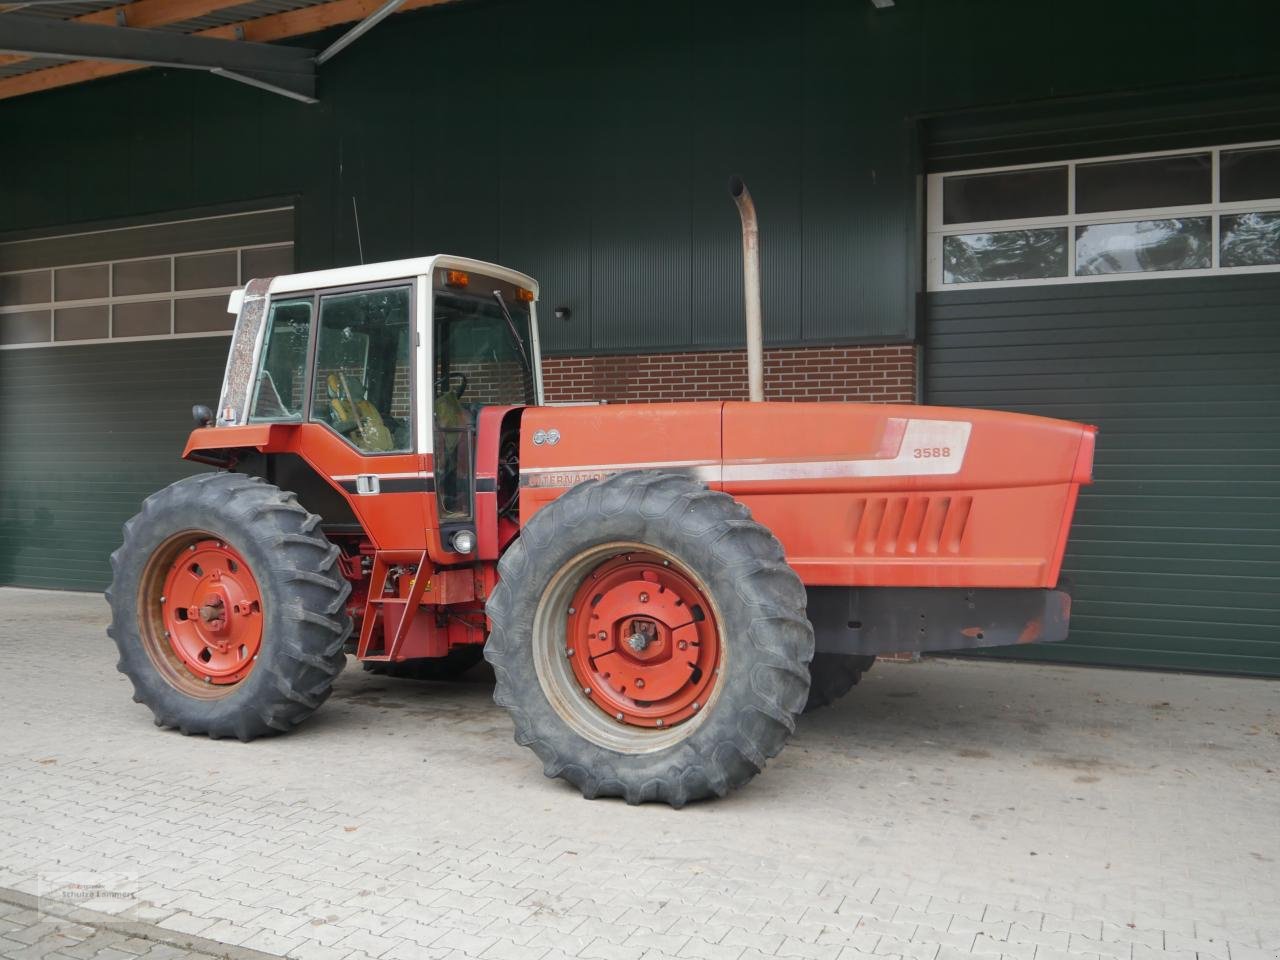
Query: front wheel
228, 607
649, 640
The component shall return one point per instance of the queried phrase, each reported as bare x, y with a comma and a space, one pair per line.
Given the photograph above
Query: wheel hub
645, 633
212, 612
642, 641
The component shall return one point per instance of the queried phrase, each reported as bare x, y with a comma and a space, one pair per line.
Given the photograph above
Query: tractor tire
716, 622
834, 675
452, 666
228, 607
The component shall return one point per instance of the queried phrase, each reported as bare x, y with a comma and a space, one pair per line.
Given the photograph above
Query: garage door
106, 340
1175, 551
1043, 299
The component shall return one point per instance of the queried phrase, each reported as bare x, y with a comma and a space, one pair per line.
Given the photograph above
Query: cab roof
397, 270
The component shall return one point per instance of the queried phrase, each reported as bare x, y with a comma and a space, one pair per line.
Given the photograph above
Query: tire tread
749, 557
312, 627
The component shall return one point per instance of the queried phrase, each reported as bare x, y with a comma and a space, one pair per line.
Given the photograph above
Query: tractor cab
378, 379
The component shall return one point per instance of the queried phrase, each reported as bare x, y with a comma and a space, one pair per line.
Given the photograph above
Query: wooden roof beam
283, 69
144, 13
277, 26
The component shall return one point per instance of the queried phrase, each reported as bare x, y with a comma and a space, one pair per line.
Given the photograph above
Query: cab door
341, 362
362, 390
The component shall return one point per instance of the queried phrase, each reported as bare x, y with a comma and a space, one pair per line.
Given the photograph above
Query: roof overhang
52, 43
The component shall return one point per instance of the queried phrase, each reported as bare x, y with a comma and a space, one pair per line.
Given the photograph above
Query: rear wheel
228, 607
649, 640
834, 675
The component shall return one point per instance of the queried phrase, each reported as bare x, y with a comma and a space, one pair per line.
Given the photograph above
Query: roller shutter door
1175, 551
106, 340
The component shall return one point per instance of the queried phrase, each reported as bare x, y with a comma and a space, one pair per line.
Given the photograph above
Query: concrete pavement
945, 809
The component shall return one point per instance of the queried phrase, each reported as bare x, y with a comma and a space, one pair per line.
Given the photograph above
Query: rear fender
490, 426
561, 447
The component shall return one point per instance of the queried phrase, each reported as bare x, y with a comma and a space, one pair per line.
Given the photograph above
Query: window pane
1005, 255
362, 362
202, 315
1144, 245
1005, 196
1250, 239
82, 323
140, 276
1134, 184
81, 283
146, 318
18, 288
280, 389
30, 326
205, 271
1249, 174
264, 262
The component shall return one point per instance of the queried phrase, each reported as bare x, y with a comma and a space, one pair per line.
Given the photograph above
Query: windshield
479, 358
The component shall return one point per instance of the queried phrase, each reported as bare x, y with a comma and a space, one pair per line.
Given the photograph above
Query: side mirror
202, 415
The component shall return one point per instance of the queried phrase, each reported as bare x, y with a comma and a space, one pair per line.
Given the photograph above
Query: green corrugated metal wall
589, 144
1175, 550
88, 433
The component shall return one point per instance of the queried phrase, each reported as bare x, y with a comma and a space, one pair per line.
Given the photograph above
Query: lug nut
659, 723
569, 652
587, 691
684, 644
640, 683
617, 716
644, 598
601, 635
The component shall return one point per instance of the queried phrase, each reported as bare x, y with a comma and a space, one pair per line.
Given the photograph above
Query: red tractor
660, 589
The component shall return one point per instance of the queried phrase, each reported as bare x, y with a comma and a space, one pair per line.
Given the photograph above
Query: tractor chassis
864, 621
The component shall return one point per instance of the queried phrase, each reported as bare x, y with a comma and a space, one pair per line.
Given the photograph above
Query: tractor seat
362, 425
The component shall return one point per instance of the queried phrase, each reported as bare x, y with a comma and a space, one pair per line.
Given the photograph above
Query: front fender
217, 446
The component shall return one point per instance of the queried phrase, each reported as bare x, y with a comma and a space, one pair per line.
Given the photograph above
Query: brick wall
884, 374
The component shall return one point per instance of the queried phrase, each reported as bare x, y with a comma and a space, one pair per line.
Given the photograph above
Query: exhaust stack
750, 286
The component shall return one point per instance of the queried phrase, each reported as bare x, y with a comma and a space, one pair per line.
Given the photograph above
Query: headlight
464, 541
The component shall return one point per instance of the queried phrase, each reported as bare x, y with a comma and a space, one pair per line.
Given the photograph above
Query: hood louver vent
909, 526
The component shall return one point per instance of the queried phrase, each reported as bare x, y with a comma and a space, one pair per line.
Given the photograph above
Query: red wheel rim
211, 609
642, 641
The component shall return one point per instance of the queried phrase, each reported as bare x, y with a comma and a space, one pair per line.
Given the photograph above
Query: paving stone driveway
946, 809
